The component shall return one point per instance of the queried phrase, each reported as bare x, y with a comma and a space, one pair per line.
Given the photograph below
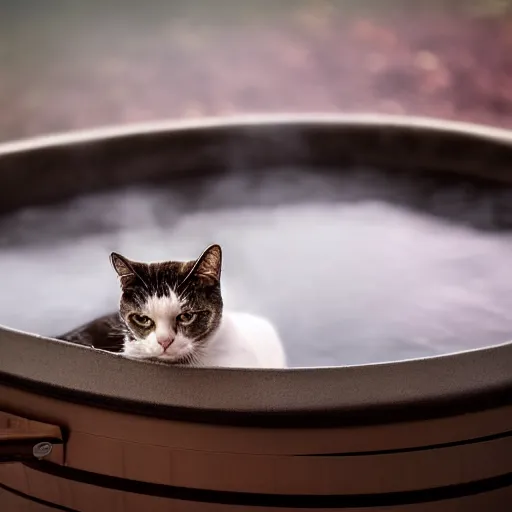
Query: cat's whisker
189, 359
183, 292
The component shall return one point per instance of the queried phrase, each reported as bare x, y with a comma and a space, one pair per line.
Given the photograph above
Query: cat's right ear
122, 265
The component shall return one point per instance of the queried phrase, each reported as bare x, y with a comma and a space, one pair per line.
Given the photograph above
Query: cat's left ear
209, 265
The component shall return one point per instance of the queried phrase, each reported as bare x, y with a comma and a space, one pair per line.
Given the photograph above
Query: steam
343, 264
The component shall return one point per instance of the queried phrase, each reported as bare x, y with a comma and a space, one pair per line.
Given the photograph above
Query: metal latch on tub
23, 440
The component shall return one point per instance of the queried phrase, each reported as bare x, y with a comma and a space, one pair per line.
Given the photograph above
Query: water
343, 265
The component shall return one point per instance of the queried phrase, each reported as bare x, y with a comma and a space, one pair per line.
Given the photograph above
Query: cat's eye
186, 318
141, 320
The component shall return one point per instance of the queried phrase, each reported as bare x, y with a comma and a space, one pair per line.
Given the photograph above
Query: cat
173, 312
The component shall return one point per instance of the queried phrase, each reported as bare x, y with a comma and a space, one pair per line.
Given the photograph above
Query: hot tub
88, 430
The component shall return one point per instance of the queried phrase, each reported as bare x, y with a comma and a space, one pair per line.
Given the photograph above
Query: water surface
352, 268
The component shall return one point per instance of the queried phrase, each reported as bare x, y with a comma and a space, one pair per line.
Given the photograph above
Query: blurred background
76, 64
434, 279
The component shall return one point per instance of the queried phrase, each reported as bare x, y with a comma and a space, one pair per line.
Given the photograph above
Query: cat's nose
166, 342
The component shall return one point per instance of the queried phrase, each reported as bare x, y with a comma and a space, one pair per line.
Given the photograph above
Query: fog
347, 272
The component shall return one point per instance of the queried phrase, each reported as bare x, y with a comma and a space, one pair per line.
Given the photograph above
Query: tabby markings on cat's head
170, 309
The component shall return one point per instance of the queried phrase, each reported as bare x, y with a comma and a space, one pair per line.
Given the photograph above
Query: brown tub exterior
421, 435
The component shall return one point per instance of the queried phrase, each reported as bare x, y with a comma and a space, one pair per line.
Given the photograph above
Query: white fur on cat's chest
244, 341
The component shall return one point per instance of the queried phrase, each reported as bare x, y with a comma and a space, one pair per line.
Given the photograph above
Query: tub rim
424, 123
327, 396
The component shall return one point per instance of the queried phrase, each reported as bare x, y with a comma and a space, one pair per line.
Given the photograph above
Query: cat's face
170, 309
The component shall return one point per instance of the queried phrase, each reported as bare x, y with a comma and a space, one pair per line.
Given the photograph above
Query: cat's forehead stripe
158, 278
162, 307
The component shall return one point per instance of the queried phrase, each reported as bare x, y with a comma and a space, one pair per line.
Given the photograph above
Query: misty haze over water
347, 270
